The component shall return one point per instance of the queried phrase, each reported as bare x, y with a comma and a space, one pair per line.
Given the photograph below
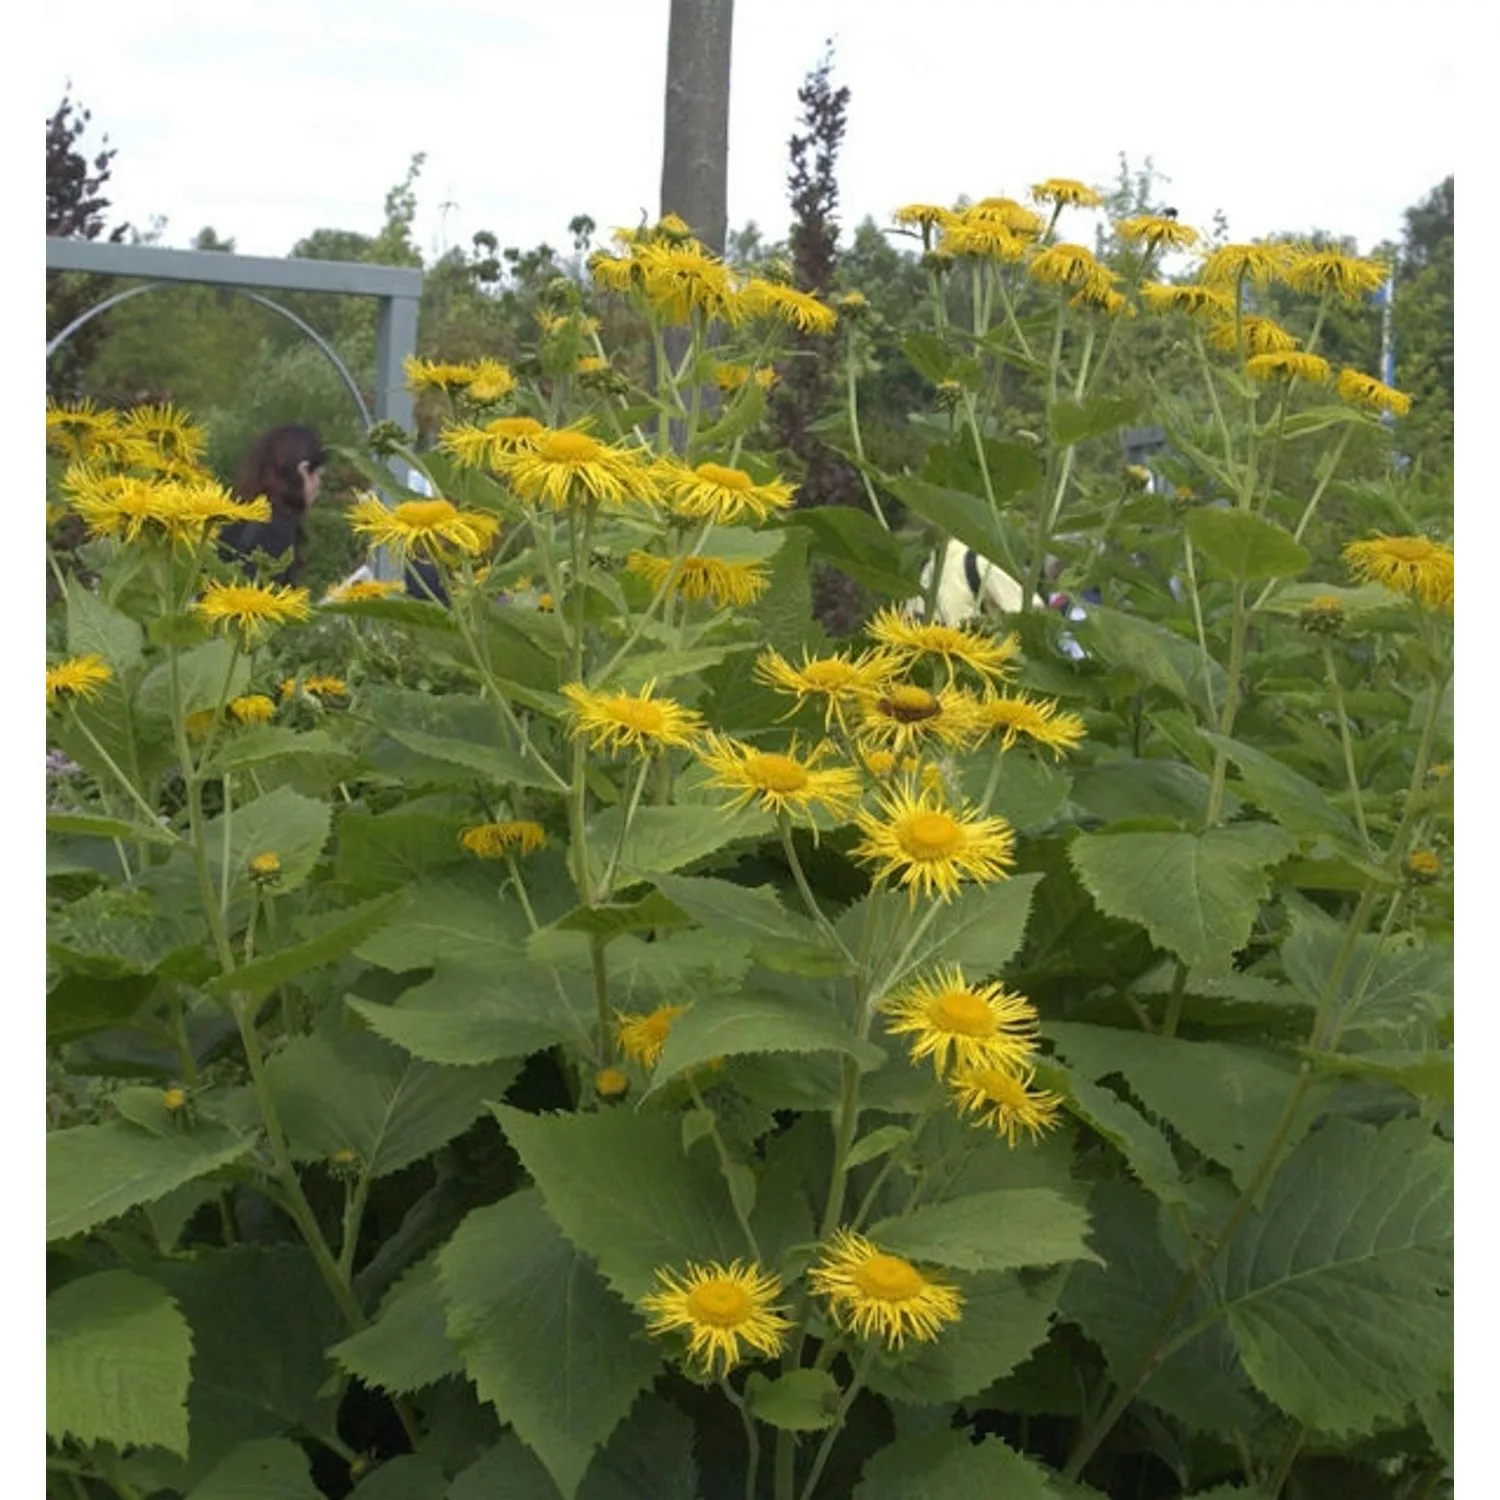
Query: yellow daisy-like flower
1261, 336
1412, 565
1100, 296
1153, 230
1066, 190
491, 381
879, 763
799, 310
1037, 718
984, 239
879, 1294
566, 467
718, 579
924, 215
1288, 364
79, 430
615, 273
714, 492
903, 716
718, 1307
681, 277
982, 1026
180, 512
198, 724
78, 677
475, 446
254, 608
265, 866
591, 364
1005, 1099
253, 708
327, 686
1360, 389
841, 681
643, 1036
1332, 273
370, 588
162, 436
496, 840
432, 375
780, 781
931, 850
1069, 265
1189, 298
1016, 217
174, 1099
1255, 262
429, 528
639, 721
906, 640
611, 1083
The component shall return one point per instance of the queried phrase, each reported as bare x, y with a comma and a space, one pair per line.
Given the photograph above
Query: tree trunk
695, 147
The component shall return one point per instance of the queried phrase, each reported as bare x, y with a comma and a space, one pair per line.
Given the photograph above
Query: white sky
270, 118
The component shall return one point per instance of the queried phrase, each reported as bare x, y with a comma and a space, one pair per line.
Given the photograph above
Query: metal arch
322, 344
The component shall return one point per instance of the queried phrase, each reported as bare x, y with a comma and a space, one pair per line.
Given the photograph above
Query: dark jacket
282, 534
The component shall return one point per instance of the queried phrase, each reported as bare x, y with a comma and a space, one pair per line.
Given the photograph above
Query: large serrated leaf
779, 939
284, 823
1295, 802
994, 1231
663, 839
946, 1465
513, 1287
406, 1345
1340, 1293
118, 1358
1244, 547
262, 1469
1155, 654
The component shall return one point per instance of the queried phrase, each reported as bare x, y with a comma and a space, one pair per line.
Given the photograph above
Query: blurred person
285, 465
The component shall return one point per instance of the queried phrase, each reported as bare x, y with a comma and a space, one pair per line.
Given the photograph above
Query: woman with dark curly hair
286, 466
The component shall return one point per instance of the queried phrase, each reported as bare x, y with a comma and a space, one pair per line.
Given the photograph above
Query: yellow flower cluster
1412, 565
483, 381
155, 440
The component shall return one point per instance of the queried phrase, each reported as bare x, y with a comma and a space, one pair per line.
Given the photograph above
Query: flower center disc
909, 705
963, 1012
888, 1278
1406, 549
569, 448
930, 835
1001, 1087
720, 1303
425, 513
644, 717
776, 773
729, 479
514, 427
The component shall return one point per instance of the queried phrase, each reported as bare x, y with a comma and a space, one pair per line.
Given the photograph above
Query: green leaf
409, 1477
379, 853
663, 839
799, 1401
87, 825
778, 939
1117, 790
857, 544
1154, 653
1225, 1101
759, 1021
613, 918
261, 743
946, 1465
1195, 893
118, 1355
207, 675
282, 822
1339, 1294
622, 1189
1243, 547
1004, 1320
492, 762
96, 1172
991, 1231
927, 355
1294, 801
514, 1287
350, 928
1073, 422
964, 517
406, 1346
80, 1005
450, 920
357, 1093
1424, 1075
99, 629
263, 1469
878, 1143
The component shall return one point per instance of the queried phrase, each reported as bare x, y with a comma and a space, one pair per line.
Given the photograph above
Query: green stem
1213, 398
119, 775
852, 385
1192, 573
1336, 688
1011, 565
725, 1163
1231, 705
825, 1448
600, 970
1174, 1000
606, 885
752, 1436
816, 912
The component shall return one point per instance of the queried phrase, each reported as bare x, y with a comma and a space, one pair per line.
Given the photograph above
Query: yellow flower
924, 215
1332, 273
490, 382
906, 640
265, 866
1411, 565
253, 607
1364, 390
569, 466
590, 364
930, 849
615, 273
718, 579
474, 446
1100, 296
78, 677
1036, 718
981, 1025
983, 239
1152, 230
1066, 190
799, 310
371, 588
496, 840
879, 763
1261, 335
426, 374
1422, 866
1322, 615
718, 1307
173, 1099
712, 492
1189, 298
876, 1293
903, 716
1013, 216
1068, 265
427, 528
681, 278
80, 431
1256, 262
1287, 364
327, 687
782, 782
839, 680
1006, 1100
611, 1083
616, 721
163, 437
643, 1036
181, 512
253, 708
198, 724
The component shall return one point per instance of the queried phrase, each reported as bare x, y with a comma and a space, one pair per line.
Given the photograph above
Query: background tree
1424, 329
695, 136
